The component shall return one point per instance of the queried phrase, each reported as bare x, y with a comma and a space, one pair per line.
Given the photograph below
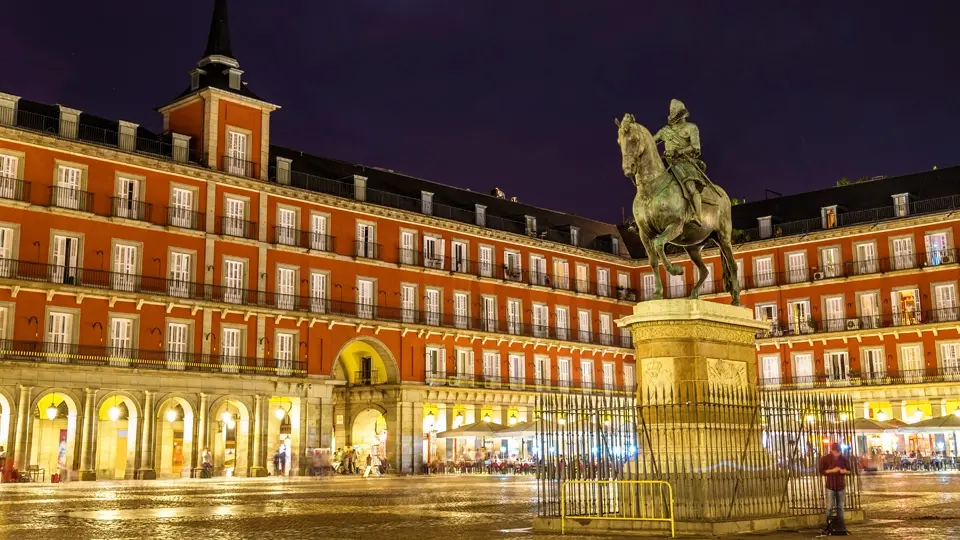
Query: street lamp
430, 421
512, 420
486, 418
280, 413
881, 416
114, 412
956, 411
172, 415
52, 410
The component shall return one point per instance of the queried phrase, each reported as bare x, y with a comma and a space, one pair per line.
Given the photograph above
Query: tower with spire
227, 123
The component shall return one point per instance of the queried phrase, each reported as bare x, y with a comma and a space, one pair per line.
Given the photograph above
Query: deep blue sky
789, 95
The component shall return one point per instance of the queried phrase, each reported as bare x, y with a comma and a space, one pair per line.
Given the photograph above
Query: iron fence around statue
728, 453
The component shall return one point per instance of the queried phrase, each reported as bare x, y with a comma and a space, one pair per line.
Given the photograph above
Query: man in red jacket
834, 467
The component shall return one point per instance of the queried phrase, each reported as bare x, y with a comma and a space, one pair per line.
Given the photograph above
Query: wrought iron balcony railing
74, 199
515, 382
130, 209
810, 325
239, 167
186, 219
239, 228
853, 377
288, 236
14, 189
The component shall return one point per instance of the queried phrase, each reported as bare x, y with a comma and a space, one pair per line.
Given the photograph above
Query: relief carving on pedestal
657, 374
727, 372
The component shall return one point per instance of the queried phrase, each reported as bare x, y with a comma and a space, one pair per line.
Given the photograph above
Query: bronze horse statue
662, 212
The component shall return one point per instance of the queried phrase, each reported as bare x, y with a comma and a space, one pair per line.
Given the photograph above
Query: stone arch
386, 356
174, 452
8, 413
127, 397
116, 443
48, 439
231, 448
74, 401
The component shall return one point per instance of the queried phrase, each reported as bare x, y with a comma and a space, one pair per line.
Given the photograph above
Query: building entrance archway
117, 437
5, 419
368, 435
230, 437
174, 438
53, 435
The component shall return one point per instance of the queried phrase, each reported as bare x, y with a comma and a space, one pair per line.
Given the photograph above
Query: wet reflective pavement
900, 506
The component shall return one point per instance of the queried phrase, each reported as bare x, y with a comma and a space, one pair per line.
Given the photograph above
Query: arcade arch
54, 433
229, 436
173, 441
364, 361
117, 436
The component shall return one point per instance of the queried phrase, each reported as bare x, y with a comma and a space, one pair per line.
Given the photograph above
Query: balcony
240, 167
787, 328
236, 227
288, 236
14, 189
493, 382
365, 377
130, 209
74, 199
39, 352
186, 219
918, 376
367, 250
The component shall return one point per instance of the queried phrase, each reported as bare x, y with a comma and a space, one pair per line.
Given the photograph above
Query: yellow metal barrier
627, 503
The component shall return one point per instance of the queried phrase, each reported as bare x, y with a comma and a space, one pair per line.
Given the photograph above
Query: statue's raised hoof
674, 269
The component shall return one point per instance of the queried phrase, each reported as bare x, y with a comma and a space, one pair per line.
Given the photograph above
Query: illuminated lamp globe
486, 418
231, 424
881, 416
52, 412
956, 411
226, 417
512, 420
280, 413
114, 413
171, 415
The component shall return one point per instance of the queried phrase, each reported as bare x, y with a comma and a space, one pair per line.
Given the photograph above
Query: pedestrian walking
834, 467
373, 466
206, 463
283, 460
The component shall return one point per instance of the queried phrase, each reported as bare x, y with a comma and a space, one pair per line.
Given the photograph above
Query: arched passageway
174, 443
229, 437
117, 437
53, 435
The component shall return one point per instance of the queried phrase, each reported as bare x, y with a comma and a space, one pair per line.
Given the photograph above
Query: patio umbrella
523, 429
477, 429
869, 425
895, 423
938, 424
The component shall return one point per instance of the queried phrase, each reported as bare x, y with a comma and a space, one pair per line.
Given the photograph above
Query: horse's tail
727, 264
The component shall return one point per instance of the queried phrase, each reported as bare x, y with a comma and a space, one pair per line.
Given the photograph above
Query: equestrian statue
676, 202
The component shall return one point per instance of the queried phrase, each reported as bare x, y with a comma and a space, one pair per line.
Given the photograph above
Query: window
231, 349
708, 281
426, 202
408, 303
514, 324
65, 253
626, 338
460, 262
531, 223
586, 374
180, 266
461, 311
318, 233
490, 313
830, 263
937, 251
432, 306
866, 254
871, 363
491, 367
177, 345
515, 363
583, 325
9, 172
121, 339
677, 286
318, 292
797, 267
828, 216
432, 251
4, 321
803, 368
59, 333
68, 194
236, 159
512, 267
603, 282
359, 188
181, 209
903, 256
766, 226
127, 204
763, 275
837, 365
609, 376
284, 352
486, 261
606, 329
366, 243
950, 358
946, 298
629, 378
623, 286
906, 307
869, 306
286, 288
234, 220
583, 280
365, 296
834, 314
436, 362
538, 270
125, 259
408, 247
768, 312
563, 372
6, 251
740, 275
649, 286
233, 274
541, 316
911, 362
287, 226
481, 215
901, 204
799, 313
561, 274
562, 320
464, 365
770, 366
574, 236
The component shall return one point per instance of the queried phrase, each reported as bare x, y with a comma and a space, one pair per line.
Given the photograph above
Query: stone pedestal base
257, 472
145, 474
87, 476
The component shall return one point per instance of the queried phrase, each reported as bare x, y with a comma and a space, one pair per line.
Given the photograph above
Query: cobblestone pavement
899, 506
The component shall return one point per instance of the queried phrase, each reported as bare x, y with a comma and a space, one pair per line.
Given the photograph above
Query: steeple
218, 41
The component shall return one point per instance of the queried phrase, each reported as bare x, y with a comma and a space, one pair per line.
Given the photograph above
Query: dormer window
531, 225
828, 216
901, 204
481, 213
69, 120
574, 236
426, 202
766, 226
359, 187
234, 78
615, 245
283, 171
195, 79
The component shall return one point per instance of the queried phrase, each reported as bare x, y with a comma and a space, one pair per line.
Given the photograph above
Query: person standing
834, 467
283, 459
206, 460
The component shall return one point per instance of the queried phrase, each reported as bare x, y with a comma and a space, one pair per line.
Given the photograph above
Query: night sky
788, 95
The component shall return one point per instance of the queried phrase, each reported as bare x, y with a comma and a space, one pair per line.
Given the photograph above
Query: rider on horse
681, 150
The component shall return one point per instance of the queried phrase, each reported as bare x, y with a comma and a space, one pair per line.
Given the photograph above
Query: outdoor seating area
932, 444
483, 447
